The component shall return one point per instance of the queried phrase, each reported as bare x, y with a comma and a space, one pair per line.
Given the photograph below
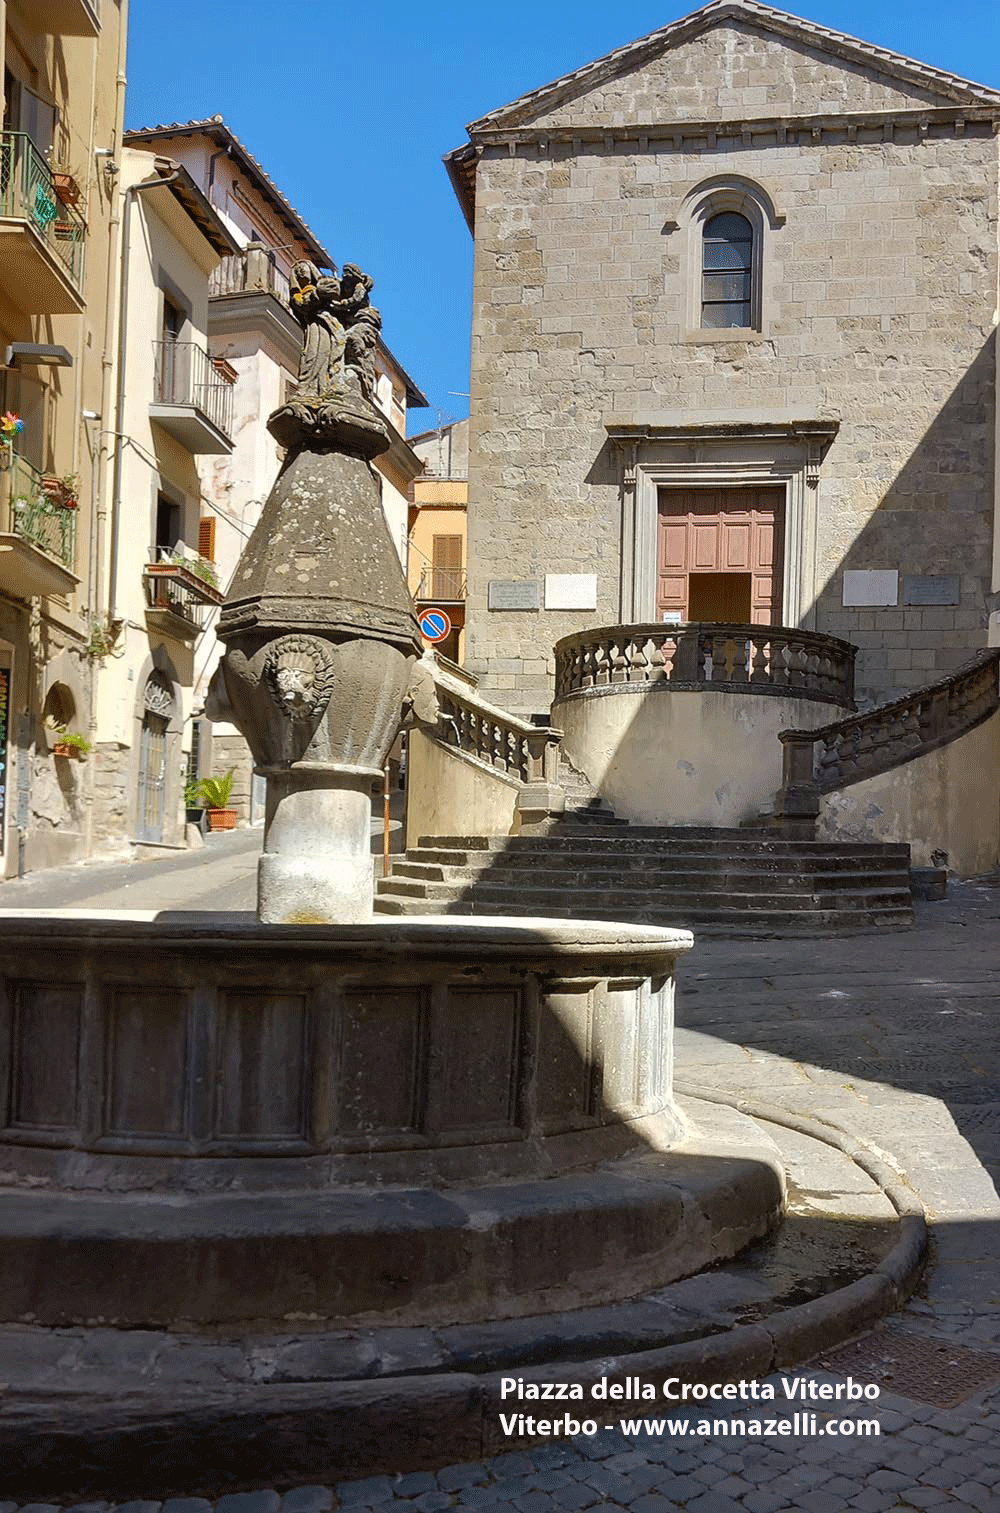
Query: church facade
734, 350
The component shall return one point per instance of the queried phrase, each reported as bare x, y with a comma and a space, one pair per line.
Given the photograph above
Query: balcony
193, 399
252, 271
178, 600
70, 18
441, 585
42, 241
37, 534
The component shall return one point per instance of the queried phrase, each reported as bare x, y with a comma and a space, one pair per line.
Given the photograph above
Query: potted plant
69, 743
61, 491
194, 809
66, 187
215, 794
199, 567
70, 491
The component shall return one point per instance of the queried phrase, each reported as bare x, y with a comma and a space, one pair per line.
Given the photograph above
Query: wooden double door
719, 555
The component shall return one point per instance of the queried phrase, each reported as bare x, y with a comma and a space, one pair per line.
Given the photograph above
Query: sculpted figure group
341, 329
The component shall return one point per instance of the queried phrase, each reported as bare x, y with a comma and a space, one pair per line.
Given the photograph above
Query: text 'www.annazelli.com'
811, 1425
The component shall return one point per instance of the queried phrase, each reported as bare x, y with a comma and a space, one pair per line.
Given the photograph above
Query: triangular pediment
736, 60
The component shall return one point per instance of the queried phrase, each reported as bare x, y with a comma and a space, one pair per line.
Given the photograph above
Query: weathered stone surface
584, 277
319, 627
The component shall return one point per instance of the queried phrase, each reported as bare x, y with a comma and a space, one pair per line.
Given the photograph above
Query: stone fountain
322, 1121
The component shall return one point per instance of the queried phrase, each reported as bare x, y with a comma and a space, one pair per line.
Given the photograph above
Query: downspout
96, 596
131, 194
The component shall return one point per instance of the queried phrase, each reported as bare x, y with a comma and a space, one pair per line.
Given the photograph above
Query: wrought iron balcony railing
187, 376
177, 591
35, 516
436, 583
28, 193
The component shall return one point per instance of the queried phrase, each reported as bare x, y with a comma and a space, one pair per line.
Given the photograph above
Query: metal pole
385, 820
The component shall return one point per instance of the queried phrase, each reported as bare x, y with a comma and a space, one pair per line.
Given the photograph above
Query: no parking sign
435, 625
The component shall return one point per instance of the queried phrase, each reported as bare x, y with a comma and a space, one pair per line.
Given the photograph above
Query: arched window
727, 272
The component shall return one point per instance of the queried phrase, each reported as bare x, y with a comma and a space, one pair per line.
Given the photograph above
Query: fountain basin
212, 1120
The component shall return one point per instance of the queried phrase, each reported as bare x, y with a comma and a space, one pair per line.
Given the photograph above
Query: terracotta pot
222, 819
66, 188
61, 749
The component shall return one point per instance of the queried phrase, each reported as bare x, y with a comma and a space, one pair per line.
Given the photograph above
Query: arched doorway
158, 710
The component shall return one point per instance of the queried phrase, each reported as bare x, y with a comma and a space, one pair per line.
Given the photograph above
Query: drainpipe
96, 594
131, 195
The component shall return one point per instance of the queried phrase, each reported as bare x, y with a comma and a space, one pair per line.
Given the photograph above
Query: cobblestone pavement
895, 1037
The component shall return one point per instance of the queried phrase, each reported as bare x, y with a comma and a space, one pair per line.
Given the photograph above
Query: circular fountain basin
212, 1120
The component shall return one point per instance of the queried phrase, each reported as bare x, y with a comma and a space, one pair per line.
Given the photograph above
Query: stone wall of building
879, 290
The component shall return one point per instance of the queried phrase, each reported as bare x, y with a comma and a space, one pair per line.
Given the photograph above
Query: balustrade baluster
658, 670
639, 662
619, 659
759, 669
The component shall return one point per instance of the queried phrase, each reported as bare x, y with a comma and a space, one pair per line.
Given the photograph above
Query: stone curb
292, 1435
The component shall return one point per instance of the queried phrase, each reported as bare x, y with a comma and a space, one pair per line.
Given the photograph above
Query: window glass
726, 271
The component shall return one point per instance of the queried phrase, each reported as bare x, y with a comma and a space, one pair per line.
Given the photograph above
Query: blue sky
350, 110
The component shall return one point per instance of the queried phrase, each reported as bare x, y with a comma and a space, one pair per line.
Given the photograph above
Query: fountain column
320, 633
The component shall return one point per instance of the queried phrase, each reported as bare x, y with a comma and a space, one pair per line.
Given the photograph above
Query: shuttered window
446, 567
206, 537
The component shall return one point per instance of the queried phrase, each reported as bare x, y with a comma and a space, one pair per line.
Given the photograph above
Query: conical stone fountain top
319, 625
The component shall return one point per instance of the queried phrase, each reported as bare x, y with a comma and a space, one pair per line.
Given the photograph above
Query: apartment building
63, 96
252, 332
173, 409
438, 557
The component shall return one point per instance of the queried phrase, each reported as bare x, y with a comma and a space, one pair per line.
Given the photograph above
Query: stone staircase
592, 866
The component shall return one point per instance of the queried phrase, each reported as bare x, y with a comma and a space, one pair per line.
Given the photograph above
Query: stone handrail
864, 745
768, 659
523, 752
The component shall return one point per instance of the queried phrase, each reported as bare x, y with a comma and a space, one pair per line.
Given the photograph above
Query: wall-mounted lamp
30, 354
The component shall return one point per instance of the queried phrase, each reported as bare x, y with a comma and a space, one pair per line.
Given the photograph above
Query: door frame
725, 454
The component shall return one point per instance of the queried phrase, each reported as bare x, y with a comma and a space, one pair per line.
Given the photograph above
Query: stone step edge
584, 838
749, 925
811, 896
412, 1423
646, 880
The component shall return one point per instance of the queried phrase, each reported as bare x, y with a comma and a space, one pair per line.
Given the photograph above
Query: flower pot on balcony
222, 819
66, 187
62, 749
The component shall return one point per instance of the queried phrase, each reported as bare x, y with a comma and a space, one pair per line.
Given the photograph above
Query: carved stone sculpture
319, 628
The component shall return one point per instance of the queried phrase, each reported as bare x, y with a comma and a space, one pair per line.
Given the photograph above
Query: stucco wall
446, 794
879, 290
948, 800
672, 758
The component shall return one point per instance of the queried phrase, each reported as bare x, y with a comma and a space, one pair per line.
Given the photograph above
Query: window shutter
446, 562
206, 537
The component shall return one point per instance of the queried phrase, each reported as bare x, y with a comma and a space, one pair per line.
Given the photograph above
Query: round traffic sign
435, 625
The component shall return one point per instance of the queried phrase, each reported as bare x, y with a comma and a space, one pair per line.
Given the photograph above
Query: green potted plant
194, 808
215, 794
69, 743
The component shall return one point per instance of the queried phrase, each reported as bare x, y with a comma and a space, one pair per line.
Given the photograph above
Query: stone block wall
879, 291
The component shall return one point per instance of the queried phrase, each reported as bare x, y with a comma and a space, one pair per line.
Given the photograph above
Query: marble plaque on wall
571, 591
932, 588
871, 590
513, 593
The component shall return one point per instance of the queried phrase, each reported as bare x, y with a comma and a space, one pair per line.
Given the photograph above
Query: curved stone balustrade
527, 753
765, 659
141, 1052
864, 745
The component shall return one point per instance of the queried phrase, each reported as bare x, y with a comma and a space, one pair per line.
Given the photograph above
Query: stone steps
733, 880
